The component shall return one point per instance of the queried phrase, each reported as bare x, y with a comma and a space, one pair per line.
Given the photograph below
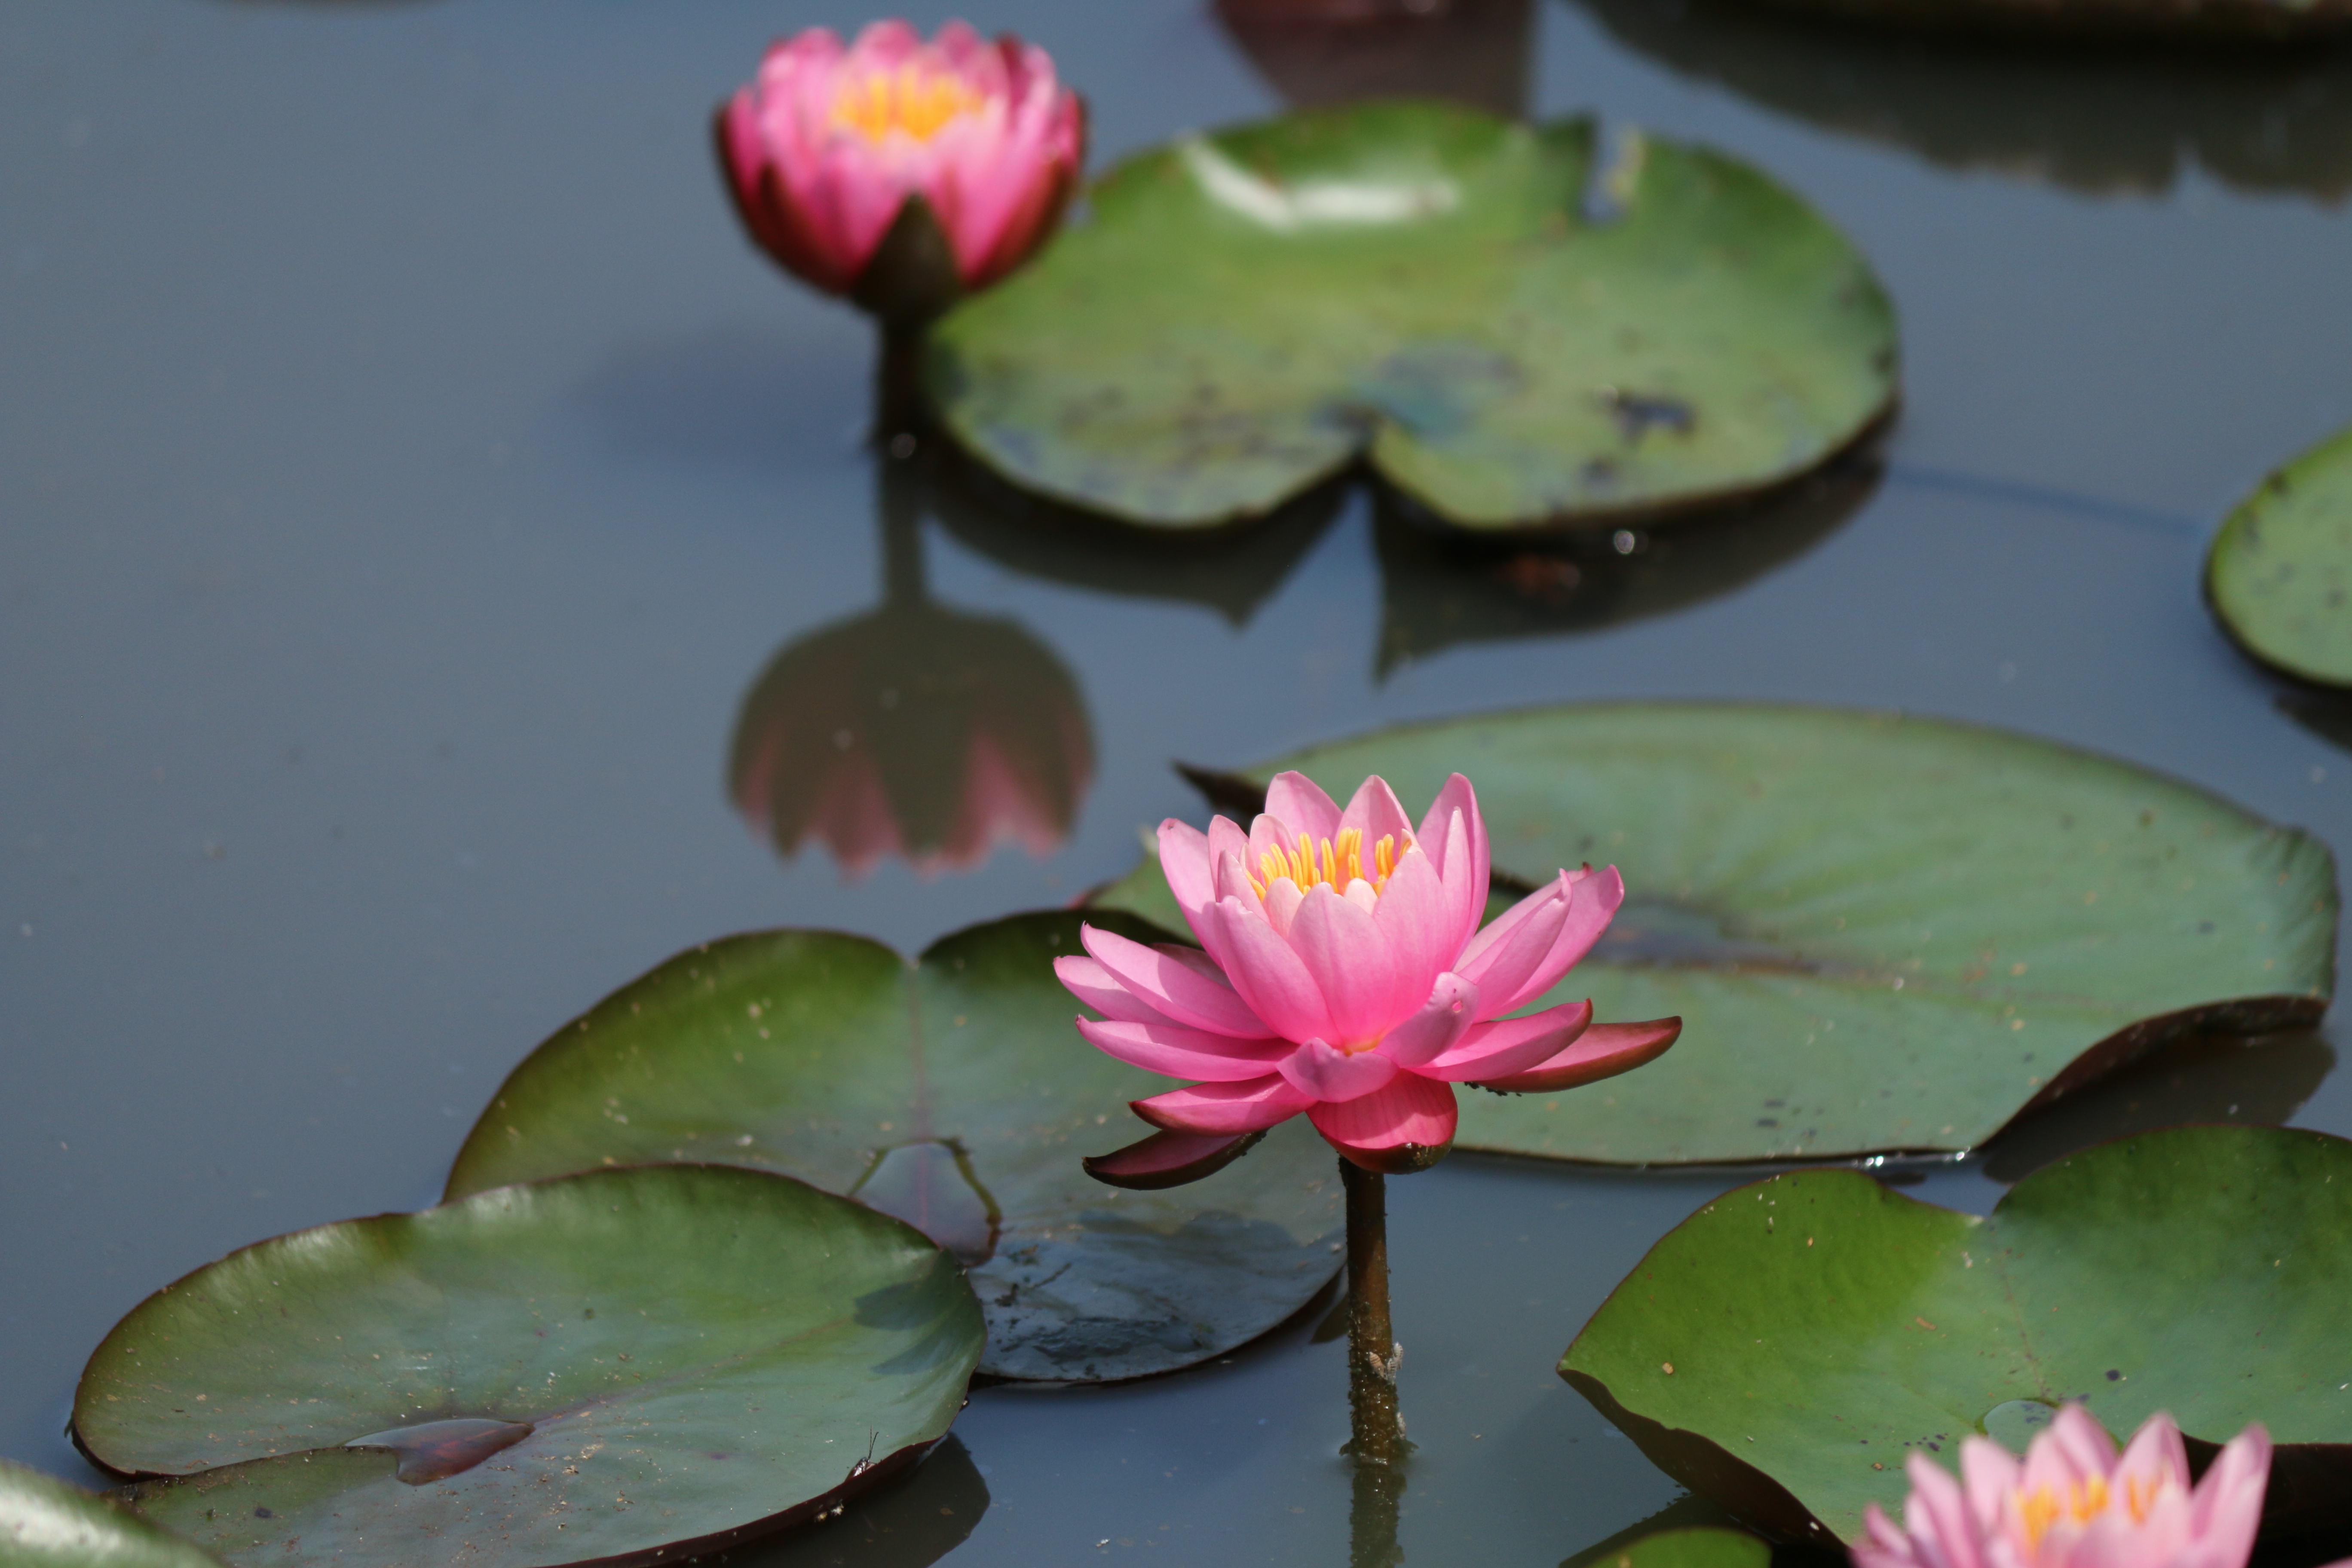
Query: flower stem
1377, 1442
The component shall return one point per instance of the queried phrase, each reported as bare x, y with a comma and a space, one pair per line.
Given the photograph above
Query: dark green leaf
698, 1353
1511, 328
1696, 1547
2282, 565
1787, 1347
1882, 932
954, 1093
45, 1523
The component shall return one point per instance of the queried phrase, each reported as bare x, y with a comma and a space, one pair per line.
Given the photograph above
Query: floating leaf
1785, 1349
589, 1368
1513, 327
1881, 932
2234, 20
45, 1523
953, 1092
2282, 565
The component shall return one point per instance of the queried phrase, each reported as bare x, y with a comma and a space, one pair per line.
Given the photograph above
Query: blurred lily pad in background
573, 1369
951, 1091
1517, 326
2282, 565
1783, 1350
1883, 933
45, 1523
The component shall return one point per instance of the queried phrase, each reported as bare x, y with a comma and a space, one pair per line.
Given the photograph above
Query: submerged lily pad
1696, 1546
1512, 324
953, 1092
1784, 1349
595, 1368
2282, 565
45, 1523
1883, 933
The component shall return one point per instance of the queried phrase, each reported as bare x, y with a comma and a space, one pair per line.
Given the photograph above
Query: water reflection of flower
914, 730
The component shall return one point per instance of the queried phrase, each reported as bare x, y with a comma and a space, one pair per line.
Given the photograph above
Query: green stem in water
1377, 1444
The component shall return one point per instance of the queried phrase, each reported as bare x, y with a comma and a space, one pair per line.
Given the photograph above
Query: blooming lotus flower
1342, 972
969, 147
2072, 1503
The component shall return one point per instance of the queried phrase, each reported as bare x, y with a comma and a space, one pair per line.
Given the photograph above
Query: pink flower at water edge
2074, 1502
1342, 972
829, 143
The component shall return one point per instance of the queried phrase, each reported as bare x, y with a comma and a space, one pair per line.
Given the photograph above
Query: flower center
1336, 863
910, 99
2043, 1507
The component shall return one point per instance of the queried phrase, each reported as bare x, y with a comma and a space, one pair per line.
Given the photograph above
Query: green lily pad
1883, 933
2281, 567
45, 1523
1510, 326
953, 1092
592, 1368
1699, 1546
1786, 1348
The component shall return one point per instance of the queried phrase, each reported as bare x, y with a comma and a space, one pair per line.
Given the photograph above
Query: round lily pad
2282, 565
1696, 1546
954, 1092
1785, 1349
1883, 933
600, 1368
1516, 325
45, 1523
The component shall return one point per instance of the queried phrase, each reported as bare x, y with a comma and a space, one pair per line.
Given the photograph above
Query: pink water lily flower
828, 144
2074, 1504
1342, 972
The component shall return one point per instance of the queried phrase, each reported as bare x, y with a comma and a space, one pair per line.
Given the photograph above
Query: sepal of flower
2073, 1502
901, 171
1359, 1000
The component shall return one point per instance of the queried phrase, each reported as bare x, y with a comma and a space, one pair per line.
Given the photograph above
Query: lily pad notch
1518, 327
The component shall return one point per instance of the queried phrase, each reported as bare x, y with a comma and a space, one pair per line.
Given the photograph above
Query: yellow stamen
917, 102
1336, 862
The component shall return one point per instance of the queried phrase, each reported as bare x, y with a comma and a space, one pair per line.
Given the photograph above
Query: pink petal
1592, 902
1268, 975
1936, 1516
1376, 811
2227, 1506
1512, 1045
1301, 804
1342, 947
1603, 1050
1500, 969
1185, 861
1169, 1160
1468, 868
1403, 1127
1090, 983
1225, 1108
2154, 1454
1414, 920
1453, 1003
1327, 1072
1179, 1052
1884, 1546
1173, 987
1989, 1476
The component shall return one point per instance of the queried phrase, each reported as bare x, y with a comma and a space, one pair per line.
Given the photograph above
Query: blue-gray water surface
407, 470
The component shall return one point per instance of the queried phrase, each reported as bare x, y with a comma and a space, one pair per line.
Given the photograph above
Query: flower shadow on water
2099, 122
913, 730
1331, 51
1441, 590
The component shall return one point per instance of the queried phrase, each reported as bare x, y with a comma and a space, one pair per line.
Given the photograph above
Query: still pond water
408, 472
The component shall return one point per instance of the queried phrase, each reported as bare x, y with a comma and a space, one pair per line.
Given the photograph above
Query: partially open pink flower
1342, 972
2074, 1504
827, 144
